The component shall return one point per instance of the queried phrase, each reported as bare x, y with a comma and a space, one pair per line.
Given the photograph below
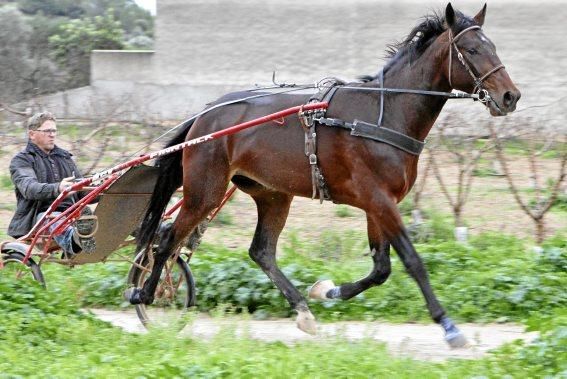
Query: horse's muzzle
502, 105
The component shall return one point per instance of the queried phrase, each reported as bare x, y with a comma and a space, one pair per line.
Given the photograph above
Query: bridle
483, 95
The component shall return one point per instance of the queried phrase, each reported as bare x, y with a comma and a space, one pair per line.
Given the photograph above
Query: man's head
42, 130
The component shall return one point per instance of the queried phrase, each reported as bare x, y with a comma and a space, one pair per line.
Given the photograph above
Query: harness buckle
312, 159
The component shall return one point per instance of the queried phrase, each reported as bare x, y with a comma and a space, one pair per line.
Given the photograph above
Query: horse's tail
170, 178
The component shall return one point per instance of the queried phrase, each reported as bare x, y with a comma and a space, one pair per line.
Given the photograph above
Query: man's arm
25, 179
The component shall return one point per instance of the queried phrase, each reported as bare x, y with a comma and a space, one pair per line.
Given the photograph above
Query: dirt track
424, 342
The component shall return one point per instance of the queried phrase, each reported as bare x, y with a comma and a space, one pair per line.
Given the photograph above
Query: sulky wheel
174, 294
14, 266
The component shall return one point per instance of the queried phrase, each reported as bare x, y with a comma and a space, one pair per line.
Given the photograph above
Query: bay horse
444, 52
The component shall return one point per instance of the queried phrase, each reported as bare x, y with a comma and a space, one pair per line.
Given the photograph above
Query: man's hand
66, 183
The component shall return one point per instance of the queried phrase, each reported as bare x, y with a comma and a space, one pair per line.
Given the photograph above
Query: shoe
85, 227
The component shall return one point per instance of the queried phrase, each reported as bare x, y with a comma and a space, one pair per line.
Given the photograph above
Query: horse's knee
254, 254
260, 256
381, 276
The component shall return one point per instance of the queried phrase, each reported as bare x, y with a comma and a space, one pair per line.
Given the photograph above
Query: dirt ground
423, 342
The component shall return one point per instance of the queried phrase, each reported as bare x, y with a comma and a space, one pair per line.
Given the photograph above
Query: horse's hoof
456, 340
320, 288
306, 322
453, 335
132, 295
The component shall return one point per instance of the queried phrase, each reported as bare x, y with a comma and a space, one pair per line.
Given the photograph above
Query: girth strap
377, 133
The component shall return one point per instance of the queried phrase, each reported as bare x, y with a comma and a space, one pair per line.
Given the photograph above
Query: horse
445, 51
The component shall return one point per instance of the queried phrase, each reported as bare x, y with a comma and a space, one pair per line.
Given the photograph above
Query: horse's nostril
509, 100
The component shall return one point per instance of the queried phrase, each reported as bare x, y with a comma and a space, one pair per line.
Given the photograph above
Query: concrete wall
205, 48
122, 65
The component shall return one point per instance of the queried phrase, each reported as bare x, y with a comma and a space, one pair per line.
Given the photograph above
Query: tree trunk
540, 230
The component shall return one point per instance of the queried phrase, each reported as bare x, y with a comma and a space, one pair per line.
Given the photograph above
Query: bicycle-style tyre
14, 265
174, 295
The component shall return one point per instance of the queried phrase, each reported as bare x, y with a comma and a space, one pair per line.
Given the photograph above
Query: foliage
67, 8
343, 211
36, 322
72, 46
496, 278
28, 26
135, 20
99, 285
6, 182
14, 34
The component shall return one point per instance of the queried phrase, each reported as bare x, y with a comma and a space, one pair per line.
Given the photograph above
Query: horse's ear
479, 18
450, 16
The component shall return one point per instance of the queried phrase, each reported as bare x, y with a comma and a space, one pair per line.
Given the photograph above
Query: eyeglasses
47, 131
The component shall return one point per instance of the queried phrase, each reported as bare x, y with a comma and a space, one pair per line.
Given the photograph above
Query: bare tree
536, 141
466, 152
419, 186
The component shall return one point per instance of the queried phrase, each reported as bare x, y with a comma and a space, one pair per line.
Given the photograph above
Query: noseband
483, 95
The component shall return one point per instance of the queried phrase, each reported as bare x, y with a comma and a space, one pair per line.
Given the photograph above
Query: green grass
6, 182
44, 334
343, 211
494, 278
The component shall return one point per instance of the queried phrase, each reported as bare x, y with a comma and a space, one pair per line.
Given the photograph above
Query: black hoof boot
132, 295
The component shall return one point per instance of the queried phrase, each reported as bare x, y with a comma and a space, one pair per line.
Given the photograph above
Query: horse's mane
419, 38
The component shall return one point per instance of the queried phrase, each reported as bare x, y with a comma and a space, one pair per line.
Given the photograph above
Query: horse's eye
472, 51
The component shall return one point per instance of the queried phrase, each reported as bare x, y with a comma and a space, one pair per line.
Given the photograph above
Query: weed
343, 211
6, 182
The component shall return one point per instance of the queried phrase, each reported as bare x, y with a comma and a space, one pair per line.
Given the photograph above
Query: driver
40, 173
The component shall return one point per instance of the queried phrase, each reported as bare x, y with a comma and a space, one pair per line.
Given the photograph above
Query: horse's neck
414, 115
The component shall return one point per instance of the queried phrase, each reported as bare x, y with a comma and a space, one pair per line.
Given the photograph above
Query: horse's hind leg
273, 209
395, 231
203, 196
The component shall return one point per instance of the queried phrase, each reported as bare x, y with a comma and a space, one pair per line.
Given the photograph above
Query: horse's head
474, 66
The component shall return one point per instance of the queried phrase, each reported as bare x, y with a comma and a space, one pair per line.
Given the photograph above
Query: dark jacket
37, 183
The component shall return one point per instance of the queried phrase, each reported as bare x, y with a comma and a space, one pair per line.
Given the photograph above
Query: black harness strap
391, 137
377, 133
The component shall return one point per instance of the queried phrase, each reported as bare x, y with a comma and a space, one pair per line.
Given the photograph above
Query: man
40, 173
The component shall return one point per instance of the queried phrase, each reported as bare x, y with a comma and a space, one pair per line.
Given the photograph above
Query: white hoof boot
320, 288
306, 322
